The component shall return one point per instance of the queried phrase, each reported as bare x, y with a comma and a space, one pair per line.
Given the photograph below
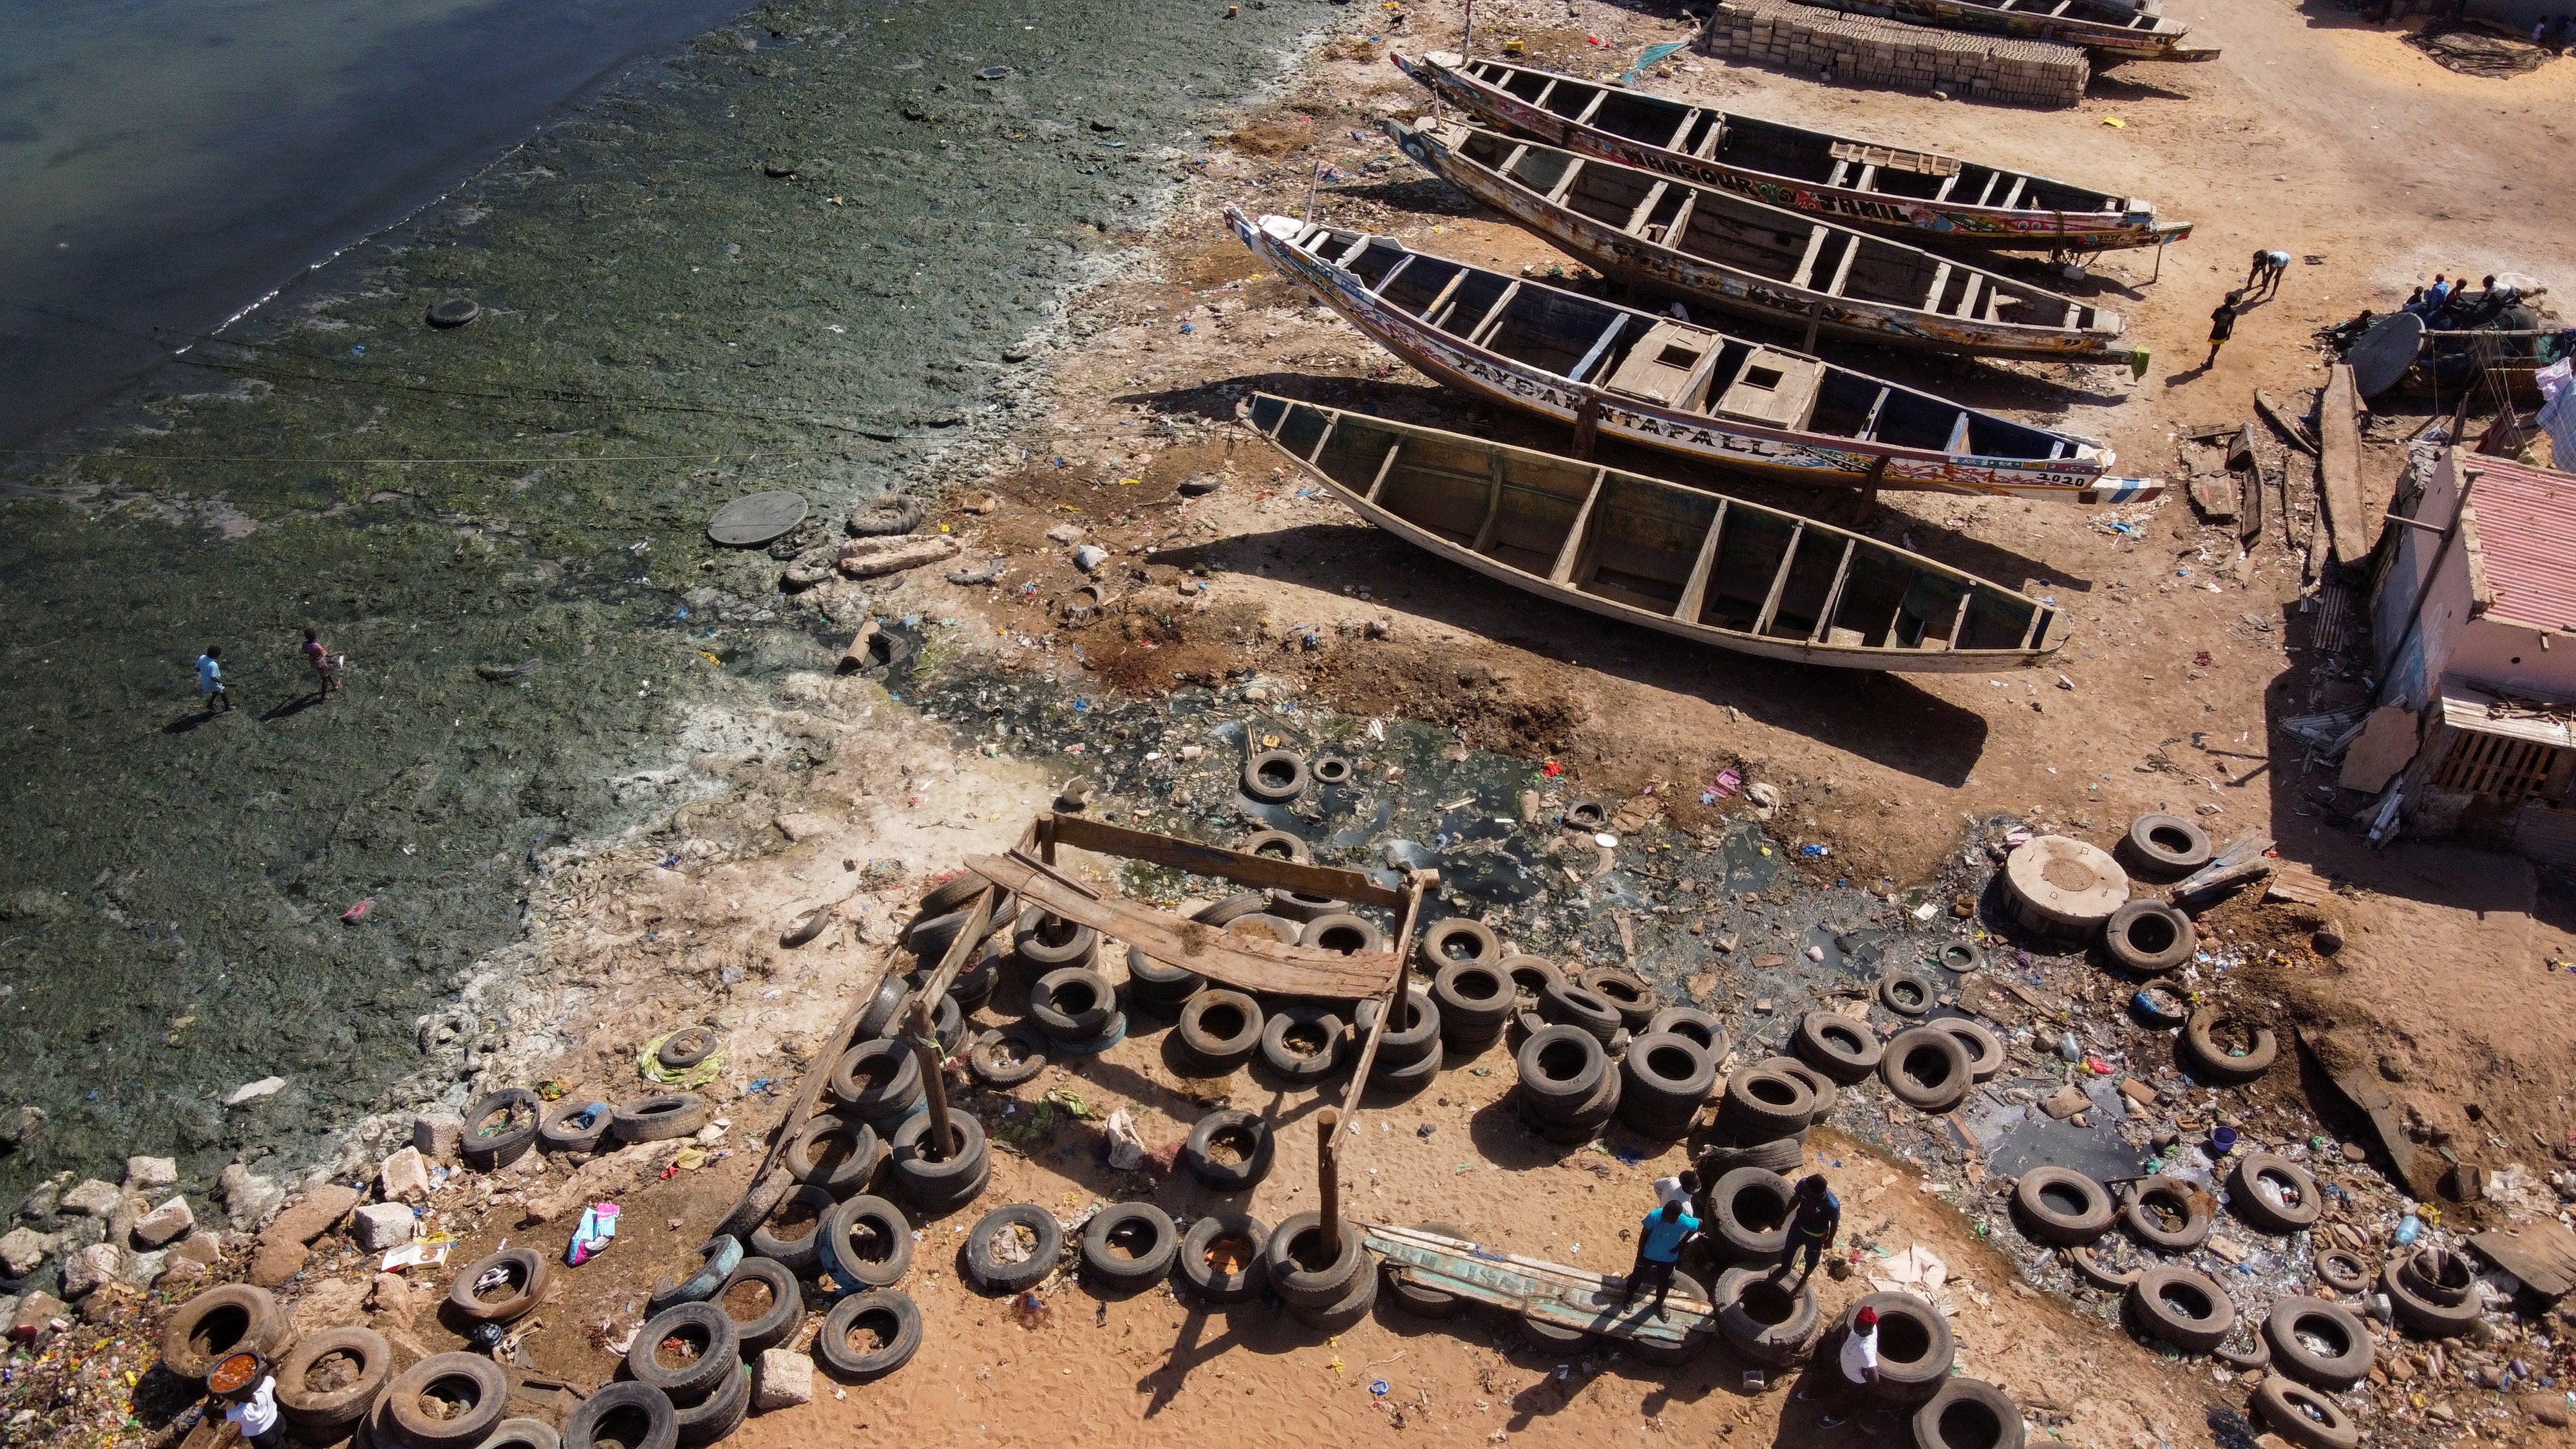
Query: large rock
403, 1176
253, 1091
47, 1199
137, 1270
610, 1176
170, 1220
206, 1248
385, 1225
150, 1174
38, 1314
90, 1267
786, 1380
22, 1249
248, 1198
178, 1272
92, 1198
284, 1244
20, 1126
439, 1137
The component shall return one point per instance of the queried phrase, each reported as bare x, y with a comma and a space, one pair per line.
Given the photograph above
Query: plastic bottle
2069, 1048
2409, 1230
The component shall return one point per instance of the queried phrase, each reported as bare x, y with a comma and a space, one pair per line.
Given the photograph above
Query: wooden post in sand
1329, 1178
934, 1079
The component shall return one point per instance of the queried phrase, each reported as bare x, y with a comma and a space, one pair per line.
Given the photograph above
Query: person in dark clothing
1815, 1216
1659, 1252
2344, 334
2222, 325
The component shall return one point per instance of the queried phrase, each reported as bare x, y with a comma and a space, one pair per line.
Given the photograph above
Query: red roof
2527, 539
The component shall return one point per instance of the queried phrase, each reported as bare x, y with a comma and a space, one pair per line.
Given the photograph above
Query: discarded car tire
2163, 847
1474, 1000
2181, 1307
2063, 1206
1915, 1347
717, 1415
1629, 994
2092, 1270
952, 893
866, 1242
1782, 1155
500, 1128
2303, 1417
994, 1273
1345, 1312
1764, 1318
2207, 1056
2273, 1193
1229, 1150
1985, 1050
687, 1047
528, 1270
1130, 1245
2438, 1275
881, 1008
513, 1434
1693, 1343
889, 1315
1969, 1414
885, 517
1412, 1029
1669, 1074
1341, 931
659, 1118
2340, 1354
626, 1414
471, 1384
1762, 1102
1307, 1272
2151, 1202
1221, 1258
1008, 1056
1047, 941
2420, 1314
703, 1329
1567, 1004
454, 312
574, 1124
1960, 957
1926, 1068
834, 1154
792, 1234
939, 1177
773, 1323
2149, 938
1072, 1002
218, 1322
1356, 933
1389, 1082
1458, 939
1750, 1212
1275, 777
1221, 1029
1415, 1298
877, 1078
1906, 994
1827, 1092
2158, 1009
322, 1415
1302, 1045
717, 1258
1158, 988
2343, 1271
1836, 1045
1278, 845
1561, 1068
1691, 1022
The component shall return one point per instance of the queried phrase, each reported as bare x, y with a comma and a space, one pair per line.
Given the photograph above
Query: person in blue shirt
1815, 1215
210, 679
1659, 1252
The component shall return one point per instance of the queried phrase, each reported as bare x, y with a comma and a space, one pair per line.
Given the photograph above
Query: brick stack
1788, 36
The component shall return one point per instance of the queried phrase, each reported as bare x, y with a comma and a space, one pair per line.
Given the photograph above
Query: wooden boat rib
2118, 29
1650, 379
1710, 569
1923, 197
1764, 262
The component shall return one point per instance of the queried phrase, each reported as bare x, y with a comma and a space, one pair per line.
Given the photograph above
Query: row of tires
2269, 1192
504, 1126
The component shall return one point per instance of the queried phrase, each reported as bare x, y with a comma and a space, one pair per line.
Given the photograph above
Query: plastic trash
2222, 1140
2409, 1230
598, 1228
2069, 1048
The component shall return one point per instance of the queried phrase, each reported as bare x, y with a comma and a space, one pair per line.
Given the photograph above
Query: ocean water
815, 248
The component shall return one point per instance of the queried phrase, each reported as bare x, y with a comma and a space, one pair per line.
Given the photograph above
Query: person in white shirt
1681, 1188
253, 1406
1859, 1362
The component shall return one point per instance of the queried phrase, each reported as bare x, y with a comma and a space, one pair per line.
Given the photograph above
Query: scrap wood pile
2474, 47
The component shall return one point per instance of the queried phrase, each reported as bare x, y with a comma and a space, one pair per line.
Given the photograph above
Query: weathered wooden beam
1267, 871
2243, 860
2339, 467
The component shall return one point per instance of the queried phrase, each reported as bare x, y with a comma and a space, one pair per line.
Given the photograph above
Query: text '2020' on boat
1921, 196
1650, 379
1714, 570
1774, 265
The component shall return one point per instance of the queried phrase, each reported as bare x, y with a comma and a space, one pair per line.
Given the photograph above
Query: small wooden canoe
1713, 570
1919, 196
1791, 268
1650, 379
2115, 29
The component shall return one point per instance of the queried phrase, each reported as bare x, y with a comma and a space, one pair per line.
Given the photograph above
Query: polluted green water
820, 249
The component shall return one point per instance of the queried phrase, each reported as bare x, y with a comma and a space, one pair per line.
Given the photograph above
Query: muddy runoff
823, 249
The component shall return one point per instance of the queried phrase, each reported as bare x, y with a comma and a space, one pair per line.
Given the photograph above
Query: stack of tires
1563, 1003
1630, 995
1408, 1051
1664, 1079
1073, 1002
1475, 1002
1156, 989
452, 1401
943, 915
1915, 1350
1129, 1247
1303, 1044
2432, 1293
690, 1355
877, 1084
937, 1177
1328, 1285
1765, 1317
1927, 1068
357, 1362
1745, 1215
1229, 1150
1762, 1120
1567, 1088
1219, 1031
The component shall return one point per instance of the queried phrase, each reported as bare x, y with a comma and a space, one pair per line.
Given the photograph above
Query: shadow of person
186, 722
294, 707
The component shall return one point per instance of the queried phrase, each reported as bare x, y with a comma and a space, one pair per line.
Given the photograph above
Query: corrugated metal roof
2527, 539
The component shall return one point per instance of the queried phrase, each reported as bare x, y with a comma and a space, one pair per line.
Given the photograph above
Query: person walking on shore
210, 679
326, 665
1659, 1253
1815, 1216
2222, 325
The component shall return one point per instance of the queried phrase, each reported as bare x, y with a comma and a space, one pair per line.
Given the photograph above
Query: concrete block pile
1788, 36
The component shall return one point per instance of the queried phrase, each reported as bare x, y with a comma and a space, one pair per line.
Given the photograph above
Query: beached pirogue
2117, 29
1718, 571
1650, 379
1921, 197
1770, 264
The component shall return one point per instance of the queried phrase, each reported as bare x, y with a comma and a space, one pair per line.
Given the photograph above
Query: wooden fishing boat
2115, 29
1662, 383
1713, 570
1770, 264
1919, 196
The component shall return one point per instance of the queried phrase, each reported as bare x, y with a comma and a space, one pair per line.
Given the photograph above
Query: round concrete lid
753, 520
2067, 882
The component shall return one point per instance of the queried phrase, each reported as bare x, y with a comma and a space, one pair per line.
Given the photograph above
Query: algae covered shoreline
822, 249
